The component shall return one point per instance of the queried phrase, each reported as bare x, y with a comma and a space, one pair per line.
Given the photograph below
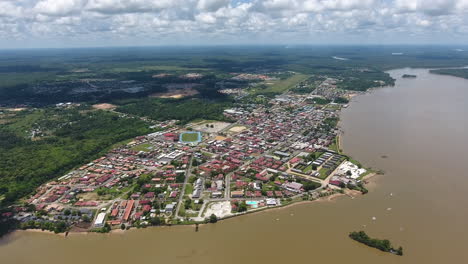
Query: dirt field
211, 127
89, 196
220, 209
104, 106
14, 109
178, 90
237, 129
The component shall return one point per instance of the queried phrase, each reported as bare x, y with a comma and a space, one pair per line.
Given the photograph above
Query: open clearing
211, 127
142, 147
237, 129
281, 86
89, 196
104, 106
178, 90
220, 209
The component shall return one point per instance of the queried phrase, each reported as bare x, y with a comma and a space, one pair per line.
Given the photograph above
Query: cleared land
142, 147
282, 85
104, 106
220, 209
178, 90
237, 129
211, 127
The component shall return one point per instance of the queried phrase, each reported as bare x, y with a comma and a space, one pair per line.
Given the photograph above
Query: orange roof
128, 210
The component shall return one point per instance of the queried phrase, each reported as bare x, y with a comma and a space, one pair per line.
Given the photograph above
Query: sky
98, 23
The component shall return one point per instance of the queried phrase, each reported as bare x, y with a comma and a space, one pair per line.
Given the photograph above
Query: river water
416, 132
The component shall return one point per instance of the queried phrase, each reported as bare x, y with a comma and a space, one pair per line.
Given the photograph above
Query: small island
409, 76
382, 244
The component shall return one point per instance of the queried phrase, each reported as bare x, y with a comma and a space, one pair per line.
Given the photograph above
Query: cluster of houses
267, 160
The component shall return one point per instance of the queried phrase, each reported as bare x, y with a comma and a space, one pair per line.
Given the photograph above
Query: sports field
190, 137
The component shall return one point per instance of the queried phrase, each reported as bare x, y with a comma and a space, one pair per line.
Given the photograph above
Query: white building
99, 222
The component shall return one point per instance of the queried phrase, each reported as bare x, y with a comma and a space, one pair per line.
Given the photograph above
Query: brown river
417, 132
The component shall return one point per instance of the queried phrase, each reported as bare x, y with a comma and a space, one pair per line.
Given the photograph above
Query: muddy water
417, 132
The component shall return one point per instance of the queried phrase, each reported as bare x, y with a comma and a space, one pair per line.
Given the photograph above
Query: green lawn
334, 145
142, 147
324, 173
283, 85
190, 137
188, 189
307, 169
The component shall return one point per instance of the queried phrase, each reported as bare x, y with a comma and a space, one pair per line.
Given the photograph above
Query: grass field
283, 85
307, 169
335, 146
190, 137
188, 189
142, 147
324, 173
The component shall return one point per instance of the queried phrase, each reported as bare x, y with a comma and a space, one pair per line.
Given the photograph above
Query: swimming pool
254, 204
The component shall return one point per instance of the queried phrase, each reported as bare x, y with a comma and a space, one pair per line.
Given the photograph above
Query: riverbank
330, 198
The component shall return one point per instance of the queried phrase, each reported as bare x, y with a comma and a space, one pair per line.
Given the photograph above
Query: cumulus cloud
226, 21
59, 7
212, 5
128, 6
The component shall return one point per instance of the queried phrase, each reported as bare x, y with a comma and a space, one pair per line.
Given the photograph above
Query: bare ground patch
178, 90
104, 106
211, 127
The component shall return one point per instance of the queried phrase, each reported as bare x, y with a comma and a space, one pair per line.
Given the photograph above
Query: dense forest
71, 138
184, 110
462, 73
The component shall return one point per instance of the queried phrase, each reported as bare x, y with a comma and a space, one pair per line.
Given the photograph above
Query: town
270, 155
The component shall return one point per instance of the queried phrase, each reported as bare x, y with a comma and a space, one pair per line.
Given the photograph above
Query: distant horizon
30, 24
246, 45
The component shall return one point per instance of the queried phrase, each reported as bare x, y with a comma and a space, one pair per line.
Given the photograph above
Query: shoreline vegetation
456, 72
409, 76
381, 244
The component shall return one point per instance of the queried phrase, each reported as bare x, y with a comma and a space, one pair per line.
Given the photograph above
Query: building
293, 186
99, 222
169, 208
237, 194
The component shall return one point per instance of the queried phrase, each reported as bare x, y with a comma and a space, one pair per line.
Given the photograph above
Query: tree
213, 218
242, 207
155, 221
60, 227
122, 226
310, 185
399, 251
85, 218
349, 173
207, 184
188, 204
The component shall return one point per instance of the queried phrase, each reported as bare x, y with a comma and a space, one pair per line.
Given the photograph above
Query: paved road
181, 195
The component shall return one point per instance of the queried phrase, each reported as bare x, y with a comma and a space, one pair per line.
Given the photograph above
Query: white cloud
212, 5
231, 20
59, 7
128, 6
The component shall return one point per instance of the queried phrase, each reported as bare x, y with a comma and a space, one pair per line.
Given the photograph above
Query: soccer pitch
190, 137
